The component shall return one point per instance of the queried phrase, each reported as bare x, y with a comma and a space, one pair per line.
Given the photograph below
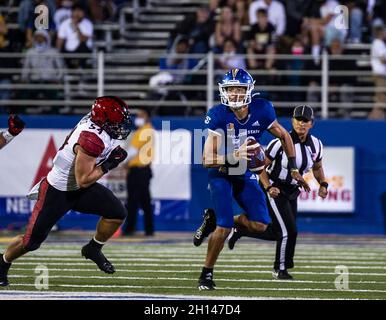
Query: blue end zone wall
367, 137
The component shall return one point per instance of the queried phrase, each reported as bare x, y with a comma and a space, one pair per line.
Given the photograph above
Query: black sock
95, 244
206, 273
2, 262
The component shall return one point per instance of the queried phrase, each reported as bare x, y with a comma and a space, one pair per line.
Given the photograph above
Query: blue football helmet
236, 78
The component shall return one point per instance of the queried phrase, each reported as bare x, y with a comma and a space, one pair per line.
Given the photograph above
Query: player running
225, 150
15, 126
89, 152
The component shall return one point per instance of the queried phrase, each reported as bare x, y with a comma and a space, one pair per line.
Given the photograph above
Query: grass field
168, 266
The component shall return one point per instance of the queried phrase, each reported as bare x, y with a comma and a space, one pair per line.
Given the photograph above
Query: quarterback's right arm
211, 158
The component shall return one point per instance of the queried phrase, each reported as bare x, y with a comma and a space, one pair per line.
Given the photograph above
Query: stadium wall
180, 191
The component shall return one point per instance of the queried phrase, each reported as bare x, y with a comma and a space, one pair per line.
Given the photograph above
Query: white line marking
192, 279
153, 258
221, 264
190, 287
217, 271
18, 294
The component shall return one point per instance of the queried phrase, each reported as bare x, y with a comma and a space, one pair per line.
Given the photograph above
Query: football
257, 155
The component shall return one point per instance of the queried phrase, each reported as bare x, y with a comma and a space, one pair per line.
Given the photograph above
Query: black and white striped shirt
307, 153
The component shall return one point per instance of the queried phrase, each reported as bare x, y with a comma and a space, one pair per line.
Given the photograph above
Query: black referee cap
305, 112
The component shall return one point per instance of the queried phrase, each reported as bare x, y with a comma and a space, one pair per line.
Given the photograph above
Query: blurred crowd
229, 28
69, 30
294, 27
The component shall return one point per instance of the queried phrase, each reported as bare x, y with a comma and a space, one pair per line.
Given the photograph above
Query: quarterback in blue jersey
230, 125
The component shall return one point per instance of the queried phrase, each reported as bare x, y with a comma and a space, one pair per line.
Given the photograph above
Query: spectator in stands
378, 64
276, 14
343, 85
27, 18
261, 40
75, 36
296, 64
239, 8
356, 21
63, 12
227, 27
197, 28
102, 10
4, 78
229, 58
322, 26
42, 65
376, 12
174, 60
27, 10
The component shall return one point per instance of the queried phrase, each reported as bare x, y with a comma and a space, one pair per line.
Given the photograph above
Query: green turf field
169, 268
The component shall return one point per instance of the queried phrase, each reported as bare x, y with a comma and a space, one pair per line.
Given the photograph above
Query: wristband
7, 136
268, 188
324, 184
292, 163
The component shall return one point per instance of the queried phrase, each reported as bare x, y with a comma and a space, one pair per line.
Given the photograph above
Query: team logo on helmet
236, 78
234, 73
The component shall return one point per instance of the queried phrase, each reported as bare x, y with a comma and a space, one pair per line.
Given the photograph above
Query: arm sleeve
91, 143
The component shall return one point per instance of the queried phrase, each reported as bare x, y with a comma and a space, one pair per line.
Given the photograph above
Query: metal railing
134, 77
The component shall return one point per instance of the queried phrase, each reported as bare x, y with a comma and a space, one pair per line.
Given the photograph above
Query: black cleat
98, 257
234, 236
281, 275
206, 284
4, 267
208, 225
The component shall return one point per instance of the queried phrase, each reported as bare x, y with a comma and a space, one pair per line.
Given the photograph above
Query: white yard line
189, 287
268, 271
192, 279
161, 258
220, 264
18, 294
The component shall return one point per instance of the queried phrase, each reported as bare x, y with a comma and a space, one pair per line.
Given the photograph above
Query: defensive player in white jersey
88, 152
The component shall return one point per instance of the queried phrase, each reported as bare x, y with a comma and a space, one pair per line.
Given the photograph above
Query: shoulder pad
91, 143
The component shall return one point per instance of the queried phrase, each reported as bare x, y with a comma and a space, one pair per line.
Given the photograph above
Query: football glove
15, 125
115, 158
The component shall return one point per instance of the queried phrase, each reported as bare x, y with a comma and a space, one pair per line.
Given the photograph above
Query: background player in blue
225, 154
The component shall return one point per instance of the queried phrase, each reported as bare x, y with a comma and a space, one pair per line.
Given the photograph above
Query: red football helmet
112, 115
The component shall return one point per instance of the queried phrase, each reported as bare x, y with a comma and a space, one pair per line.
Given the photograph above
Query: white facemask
139, 122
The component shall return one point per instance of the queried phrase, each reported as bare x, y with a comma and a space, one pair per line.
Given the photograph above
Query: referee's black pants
283, 210
138, 196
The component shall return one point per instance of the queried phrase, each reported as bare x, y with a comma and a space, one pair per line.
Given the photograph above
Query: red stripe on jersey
36, 211
91, 143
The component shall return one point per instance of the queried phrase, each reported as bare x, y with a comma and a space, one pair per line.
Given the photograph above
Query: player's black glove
115, 158
15, 125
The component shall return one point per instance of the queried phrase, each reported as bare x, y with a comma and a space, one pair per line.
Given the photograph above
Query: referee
282, 191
